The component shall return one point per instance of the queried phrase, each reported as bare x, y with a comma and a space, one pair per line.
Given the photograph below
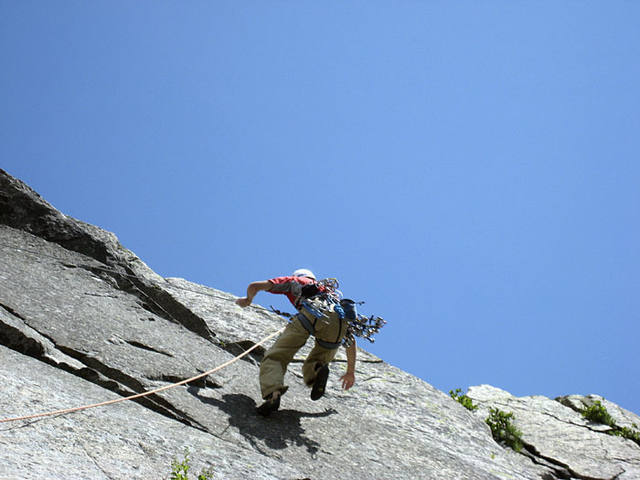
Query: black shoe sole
320, 384
268, 407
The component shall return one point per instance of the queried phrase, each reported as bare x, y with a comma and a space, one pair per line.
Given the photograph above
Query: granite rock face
556, 435
84, 320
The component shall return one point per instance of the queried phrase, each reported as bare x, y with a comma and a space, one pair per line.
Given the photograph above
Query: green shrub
626, 432
180, 470
598, 413
502, 430
463, 399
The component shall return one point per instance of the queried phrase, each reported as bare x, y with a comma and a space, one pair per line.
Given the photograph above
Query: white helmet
303, 272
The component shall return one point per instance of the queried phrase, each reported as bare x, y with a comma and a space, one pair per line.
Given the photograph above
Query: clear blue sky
469, 169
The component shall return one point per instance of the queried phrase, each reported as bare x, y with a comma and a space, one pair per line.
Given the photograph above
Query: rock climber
319, 314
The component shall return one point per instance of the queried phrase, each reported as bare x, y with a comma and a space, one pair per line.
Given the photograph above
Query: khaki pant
329, 328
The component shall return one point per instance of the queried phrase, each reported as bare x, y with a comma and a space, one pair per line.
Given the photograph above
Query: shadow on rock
281, 429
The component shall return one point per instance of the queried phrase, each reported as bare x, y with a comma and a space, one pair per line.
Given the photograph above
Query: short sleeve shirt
290, 286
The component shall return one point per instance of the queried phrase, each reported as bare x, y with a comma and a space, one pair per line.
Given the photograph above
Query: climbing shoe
320, 384
271, 404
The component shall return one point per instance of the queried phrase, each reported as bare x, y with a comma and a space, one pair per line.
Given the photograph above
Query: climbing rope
144, 394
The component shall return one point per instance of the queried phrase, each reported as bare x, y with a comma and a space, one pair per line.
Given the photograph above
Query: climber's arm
252, 291
349, 378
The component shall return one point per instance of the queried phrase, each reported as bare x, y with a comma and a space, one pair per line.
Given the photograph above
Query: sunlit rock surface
84, 320
556, 434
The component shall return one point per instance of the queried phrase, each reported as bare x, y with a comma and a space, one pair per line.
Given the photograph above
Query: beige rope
144, 394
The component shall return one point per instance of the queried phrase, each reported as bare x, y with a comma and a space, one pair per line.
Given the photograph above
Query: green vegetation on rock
598, 413
626, 432
180, 470
465, 401
502, 430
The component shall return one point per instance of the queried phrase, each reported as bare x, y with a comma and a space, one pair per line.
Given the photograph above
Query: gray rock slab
391, 425
88, 317
121, 441
86, 320
24, 209
560, 435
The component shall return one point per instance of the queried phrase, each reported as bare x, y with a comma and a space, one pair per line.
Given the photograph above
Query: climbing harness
326, 290
144, 394
310, 327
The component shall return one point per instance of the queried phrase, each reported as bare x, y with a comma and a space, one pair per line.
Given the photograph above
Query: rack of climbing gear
358, 325
364, 327
329, 286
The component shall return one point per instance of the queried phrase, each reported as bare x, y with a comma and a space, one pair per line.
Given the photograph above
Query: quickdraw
330, 287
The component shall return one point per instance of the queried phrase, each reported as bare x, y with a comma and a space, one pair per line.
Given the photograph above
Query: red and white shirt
291, 287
